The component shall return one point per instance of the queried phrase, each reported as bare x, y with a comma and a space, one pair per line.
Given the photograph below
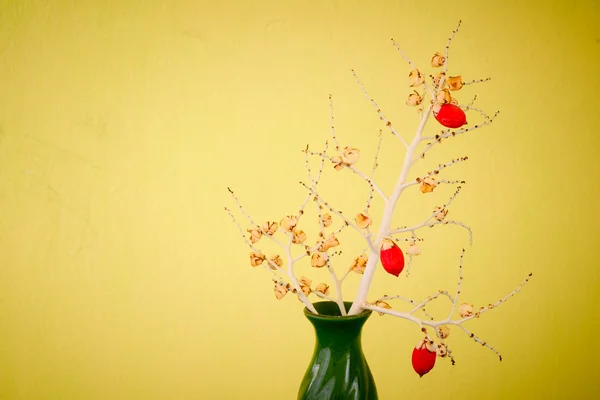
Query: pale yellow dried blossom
338, 163
280, 291
359, 263
415, 78
362, 220
305, 283
317, 260
441, 213
465, 310
412, 249
443, 96
275, 260
453, 101
437, 78
299, 236
427, 185
255, 234
444, 331
322, 288
256, 258
270, 227
288, 223
414, 99
441, 351
326, 219
350, 155
382, 304
437, 60
329, 243
426, 344
455, 82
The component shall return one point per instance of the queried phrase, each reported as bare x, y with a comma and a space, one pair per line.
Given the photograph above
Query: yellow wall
122, 123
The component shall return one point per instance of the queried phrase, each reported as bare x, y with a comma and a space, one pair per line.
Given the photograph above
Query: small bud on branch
436, 100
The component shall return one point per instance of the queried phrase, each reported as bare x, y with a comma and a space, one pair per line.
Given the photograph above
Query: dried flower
329, 243
427, 185
338, 163
350, 155
275, 260
443, 97
441, 213
455, 82
305, 283
362, 220
270, 227
382, 304
288, 223
444, 331
415, 78
414, 99
413, 250
280, 291
465, 310
326, 219
299, 237
317, 260
426, 344
437, 60
322, 288
359, 263
441, 351
256, 258
437, 78
255, 234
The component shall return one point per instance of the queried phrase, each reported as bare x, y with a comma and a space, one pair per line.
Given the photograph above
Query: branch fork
436, 98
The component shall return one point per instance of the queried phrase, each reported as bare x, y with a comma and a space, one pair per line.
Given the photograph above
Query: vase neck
332, 329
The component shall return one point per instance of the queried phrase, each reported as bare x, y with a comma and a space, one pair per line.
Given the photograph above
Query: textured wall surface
123, 122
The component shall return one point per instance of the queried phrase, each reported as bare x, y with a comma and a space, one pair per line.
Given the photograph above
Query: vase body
338, 369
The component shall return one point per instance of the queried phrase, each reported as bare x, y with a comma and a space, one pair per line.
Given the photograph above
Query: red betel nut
451, 116
423, 360
391, 257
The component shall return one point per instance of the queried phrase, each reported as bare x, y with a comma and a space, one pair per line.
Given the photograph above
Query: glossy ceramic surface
338, 369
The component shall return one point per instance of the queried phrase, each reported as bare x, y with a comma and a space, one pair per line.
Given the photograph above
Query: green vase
338, 369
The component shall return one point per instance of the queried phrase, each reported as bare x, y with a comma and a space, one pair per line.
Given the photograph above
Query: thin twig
381, 116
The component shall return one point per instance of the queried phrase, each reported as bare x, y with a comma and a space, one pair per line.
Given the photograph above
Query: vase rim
347, 304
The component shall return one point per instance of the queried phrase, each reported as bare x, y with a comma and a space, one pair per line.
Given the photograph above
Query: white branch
476, 81
342, 216
375, 165
460, 279
274, 266
314, 181
331, 119
352, 168
310, 250
411, 301
426, 87
448, 47
432, 216
481, 342
383, 118
237, 202
388, 212
340, 300
447, 133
